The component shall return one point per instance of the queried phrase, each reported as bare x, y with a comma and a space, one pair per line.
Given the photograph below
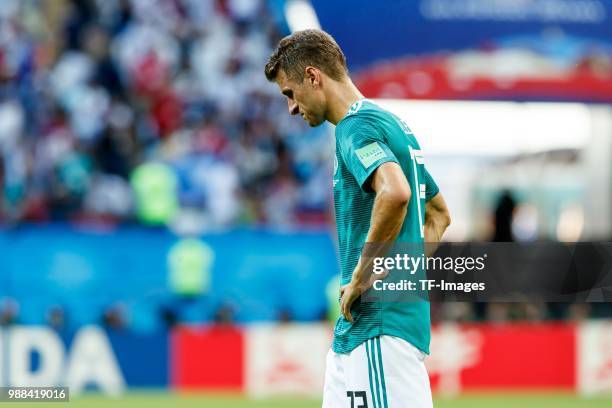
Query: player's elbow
398, 197
443, 218
438, 219
446, 219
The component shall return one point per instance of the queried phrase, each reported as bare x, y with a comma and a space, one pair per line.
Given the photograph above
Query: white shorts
383, 372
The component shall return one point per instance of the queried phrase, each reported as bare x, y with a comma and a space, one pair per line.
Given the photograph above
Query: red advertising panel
464, 357
207, 358
507, 356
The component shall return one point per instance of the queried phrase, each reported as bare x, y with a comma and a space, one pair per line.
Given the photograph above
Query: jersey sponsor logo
369, 154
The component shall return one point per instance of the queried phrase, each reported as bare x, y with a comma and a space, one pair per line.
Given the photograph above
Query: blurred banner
90, 359
279, 359
476, 49
517, 356
151, 277
264, 359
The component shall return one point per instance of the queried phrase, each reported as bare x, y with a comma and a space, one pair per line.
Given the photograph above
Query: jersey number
417, 158
358, 394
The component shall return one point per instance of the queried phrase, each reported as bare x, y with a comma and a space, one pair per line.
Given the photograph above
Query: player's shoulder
365, 116
363, 113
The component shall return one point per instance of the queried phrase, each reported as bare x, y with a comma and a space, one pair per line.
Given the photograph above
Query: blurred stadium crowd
156, 112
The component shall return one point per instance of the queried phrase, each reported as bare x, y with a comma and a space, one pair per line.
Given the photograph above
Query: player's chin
315, 122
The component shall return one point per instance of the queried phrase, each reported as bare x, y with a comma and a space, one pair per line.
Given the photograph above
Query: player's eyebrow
287, 92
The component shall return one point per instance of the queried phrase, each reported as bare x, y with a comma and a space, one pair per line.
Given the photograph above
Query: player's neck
341, 96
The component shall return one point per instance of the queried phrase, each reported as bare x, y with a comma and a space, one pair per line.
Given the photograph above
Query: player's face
303, 99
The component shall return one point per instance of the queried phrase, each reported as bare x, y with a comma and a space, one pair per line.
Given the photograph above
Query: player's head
303, 65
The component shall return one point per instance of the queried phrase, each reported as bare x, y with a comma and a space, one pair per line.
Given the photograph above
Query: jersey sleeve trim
431, 188
363, 149
365, 176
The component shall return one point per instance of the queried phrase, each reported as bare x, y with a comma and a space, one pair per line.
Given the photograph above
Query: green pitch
159, 400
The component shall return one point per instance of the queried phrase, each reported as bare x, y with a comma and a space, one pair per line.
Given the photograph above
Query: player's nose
293, 108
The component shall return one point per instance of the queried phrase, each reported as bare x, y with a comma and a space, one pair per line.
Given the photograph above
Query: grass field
159, 400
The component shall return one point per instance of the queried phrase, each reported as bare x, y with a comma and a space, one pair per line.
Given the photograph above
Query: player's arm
388, 213
437, 219
391, 203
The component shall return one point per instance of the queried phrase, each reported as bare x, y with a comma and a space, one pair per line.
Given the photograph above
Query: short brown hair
307, 48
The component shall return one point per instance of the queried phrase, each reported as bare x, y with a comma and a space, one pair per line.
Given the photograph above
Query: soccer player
382, 194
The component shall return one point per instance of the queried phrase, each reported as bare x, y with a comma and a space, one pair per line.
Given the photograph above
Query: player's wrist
358, 284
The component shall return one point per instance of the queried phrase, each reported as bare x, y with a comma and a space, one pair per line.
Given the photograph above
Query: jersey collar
354, 108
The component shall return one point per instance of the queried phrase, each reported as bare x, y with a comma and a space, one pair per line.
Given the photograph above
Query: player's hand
349, 293
352, 290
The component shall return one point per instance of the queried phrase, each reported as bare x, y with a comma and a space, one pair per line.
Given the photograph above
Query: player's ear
313, 76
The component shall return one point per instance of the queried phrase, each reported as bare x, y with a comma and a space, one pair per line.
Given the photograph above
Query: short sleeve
431, 188
364, 149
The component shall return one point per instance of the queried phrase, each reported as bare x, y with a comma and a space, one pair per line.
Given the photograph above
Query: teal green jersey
367, 137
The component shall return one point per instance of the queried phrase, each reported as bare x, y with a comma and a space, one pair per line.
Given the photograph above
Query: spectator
56, 318
129, 83
9, 312
115, 317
